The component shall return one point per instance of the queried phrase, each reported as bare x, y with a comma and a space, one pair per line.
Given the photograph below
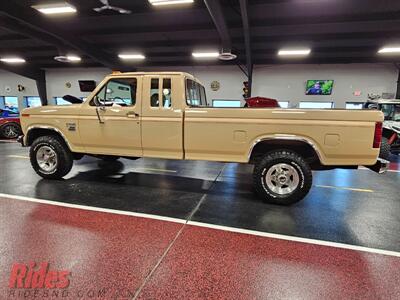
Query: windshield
391, 112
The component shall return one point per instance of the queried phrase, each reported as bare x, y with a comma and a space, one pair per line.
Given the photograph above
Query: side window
203, 95
118, 91
192, 93
166, 92
154, 92
195, 94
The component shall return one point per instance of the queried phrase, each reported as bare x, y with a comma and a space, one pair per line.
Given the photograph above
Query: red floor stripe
104, 252
112, 254
211, 264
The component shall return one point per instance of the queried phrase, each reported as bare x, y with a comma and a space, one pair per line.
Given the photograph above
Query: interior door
110, 123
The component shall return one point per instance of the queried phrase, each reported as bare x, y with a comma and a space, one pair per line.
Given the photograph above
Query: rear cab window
195, 94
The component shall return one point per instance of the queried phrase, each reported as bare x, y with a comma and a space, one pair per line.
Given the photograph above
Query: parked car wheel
282, 177
50, 157
385, 149
10, 130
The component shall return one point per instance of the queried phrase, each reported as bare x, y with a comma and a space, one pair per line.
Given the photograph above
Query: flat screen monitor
319, 87
87, 85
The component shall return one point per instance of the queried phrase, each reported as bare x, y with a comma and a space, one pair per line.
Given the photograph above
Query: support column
41, 86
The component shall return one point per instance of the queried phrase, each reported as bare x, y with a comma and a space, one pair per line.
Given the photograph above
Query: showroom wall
288, 82
284, 82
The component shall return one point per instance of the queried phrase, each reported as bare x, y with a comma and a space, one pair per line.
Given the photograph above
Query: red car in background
10, 127
261, 102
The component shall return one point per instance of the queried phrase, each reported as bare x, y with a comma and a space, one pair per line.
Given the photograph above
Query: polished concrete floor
354, 207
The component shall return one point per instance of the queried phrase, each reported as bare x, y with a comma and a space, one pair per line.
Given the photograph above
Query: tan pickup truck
165, 115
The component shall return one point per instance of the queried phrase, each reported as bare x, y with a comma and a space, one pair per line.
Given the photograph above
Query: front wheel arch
37, 132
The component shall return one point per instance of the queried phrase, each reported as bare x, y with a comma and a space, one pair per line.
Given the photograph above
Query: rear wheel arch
302, 146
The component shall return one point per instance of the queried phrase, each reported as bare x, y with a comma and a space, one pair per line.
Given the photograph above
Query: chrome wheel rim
10, 131
282, 179
46, 159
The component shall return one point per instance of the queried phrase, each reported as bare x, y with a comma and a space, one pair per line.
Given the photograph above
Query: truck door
162, 117
110, 122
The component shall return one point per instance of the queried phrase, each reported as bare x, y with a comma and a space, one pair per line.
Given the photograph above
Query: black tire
64, 157
109, 157
10, 130
385, 149
291, 163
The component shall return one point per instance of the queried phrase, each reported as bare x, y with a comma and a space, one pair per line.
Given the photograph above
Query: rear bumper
381, 166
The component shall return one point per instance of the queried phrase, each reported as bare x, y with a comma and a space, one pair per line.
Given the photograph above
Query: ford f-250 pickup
165, 115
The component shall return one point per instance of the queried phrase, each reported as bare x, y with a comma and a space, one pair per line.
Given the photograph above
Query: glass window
154, 92
226, 103
354, 105
9, 103
195, 94
284, 104
391, 112
315, 104
118, 91
32, 101
166, 92
61, 101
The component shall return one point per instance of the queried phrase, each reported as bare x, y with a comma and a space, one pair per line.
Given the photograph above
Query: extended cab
165, 115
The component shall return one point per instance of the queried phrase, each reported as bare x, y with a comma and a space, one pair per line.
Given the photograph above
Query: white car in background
391, 124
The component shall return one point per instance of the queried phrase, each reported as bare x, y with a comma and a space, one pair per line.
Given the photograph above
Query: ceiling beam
28, 21
215, 9
29, 72
246, 33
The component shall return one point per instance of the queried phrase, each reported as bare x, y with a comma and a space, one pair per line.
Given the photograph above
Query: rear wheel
10, 130
282, 177
50, 157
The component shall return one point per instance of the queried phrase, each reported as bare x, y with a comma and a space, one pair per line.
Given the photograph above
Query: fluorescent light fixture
51, 9
294, 52
389, 50
205, 54
12, 60
169, 2
73, 58
131, 56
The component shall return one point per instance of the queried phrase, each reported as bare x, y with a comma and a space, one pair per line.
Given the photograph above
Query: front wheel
50, 157
282, 177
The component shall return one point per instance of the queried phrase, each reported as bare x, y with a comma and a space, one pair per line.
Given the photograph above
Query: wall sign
215, 86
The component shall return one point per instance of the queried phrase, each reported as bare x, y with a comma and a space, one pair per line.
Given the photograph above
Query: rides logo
28, 276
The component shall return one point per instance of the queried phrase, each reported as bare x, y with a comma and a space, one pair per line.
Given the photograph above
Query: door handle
132, 114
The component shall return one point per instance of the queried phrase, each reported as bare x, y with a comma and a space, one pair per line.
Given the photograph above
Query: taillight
378, 135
